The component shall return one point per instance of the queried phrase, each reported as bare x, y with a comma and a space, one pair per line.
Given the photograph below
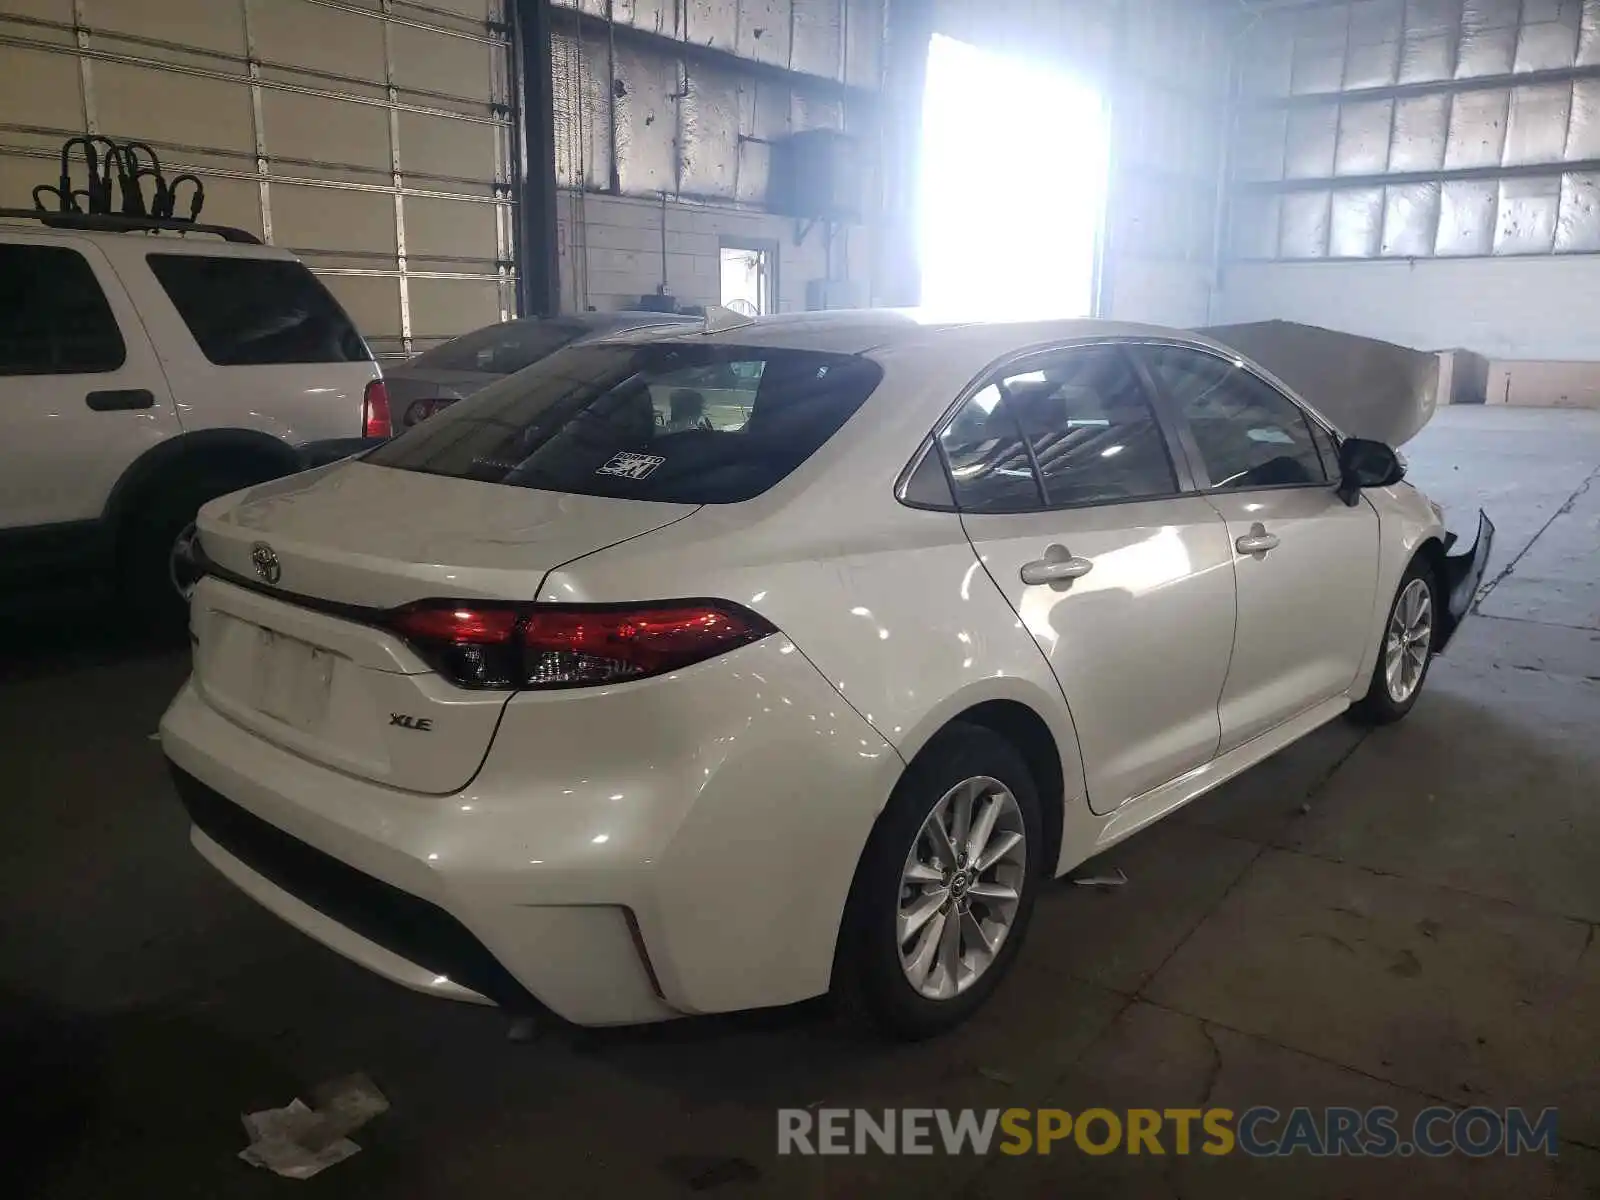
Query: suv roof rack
117, 223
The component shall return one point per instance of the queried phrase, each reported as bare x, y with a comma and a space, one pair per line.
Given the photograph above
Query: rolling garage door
372, 137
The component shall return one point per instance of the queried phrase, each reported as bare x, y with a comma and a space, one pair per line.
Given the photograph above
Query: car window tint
54, 319
990, 470
1093, 432
257, 311
1249, 434
671, 422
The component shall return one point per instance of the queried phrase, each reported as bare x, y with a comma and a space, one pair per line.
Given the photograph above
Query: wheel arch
1019, 716
1432, 551
1027, 732
253, 455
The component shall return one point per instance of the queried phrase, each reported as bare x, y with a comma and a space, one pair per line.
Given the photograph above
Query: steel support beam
908, 29
533, 92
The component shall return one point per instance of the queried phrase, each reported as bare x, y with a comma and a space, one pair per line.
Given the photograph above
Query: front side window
678, 423
54, 318
1249, 434
247, 312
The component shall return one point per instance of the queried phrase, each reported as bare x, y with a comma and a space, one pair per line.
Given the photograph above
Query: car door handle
1257, 541
122, 398
1057, 566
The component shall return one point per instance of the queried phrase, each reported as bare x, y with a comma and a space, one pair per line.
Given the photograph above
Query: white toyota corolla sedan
631, 718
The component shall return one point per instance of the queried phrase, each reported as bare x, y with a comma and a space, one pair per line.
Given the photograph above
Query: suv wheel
945, 888
152, 541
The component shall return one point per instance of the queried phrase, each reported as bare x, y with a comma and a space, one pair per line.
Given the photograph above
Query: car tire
144, 551
1413, 618
872, 975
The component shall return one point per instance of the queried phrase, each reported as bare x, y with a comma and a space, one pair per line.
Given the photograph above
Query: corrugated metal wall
686, 98
370, 136
1419, 128
638, 116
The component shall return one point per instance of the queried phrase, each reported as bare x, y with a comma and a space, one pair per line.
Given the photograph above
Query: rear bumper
1462, 576
666, 847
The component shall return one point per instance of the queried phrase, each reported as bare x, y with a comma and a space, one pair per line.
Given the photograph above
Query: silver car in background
437, 378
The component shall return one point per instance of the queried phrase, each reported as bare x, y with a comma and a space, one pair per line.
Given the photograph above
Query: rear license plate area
292, 679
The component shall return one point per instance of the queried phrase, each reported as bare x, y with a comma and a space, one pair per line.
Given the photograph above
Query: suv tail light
375, 410
480, 645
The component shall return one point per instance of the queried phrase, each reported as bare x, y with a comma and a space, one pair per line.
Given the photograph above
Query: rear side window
1093, 433
54, 319
247, 312
990, 468
1073, 429
670, 422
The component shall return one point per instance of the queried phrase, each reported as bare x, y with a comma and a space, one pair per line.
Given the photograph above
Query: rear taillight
375, 410
419, 411
559, 645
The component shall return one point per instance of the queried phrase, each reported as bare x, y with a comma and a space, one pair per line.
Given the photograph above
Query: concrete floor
1399, 918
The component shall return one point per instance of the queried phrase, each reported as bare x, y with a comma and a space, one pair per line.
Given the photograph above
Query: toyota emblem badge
265, 561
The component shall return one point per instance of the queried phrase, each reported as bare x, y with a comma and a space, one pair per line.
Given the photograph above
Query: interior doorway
749, 277
1013, 187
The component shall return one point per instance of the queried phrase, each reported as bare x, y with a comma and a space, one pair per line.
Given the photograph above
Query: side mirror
1364, 463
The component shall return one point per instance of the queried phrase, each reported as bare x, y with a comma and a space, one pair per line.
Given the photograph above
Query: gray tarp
1367, 388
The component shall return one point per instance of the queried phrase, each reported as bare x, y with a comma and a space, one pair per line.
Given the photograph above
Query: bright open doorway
1013, 185
748, 271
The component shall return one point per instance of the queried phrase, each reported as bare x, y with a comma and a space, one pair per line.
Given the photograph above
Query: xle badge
420, 724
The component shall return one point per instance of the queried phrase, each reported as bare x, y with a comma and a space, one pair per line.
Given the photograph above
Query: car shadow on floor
80, 633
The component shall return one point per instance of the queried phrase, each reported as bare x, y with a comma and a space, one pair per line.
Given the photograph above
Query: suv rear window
248, 312
670, 422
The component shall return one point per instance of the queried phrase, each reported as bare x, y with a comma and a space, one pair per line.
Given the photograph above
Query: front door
1069, 493
1306, 563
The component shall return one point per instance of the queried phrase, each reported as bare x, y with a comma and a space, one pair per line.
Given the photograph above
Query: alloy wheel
1408, 641
960, 887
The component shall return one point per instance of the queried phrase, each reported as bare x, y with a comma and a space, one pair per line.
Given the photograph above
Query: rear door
1307, 564
1086, 520
81, 392
250, 342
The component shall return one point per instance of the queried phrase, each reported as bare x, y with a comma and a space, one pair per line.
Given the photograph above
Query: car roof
861, 331
617, 320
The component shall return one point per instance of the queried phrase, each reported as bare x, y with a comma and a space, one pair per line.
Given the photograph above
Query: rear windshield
501, 349
681, 424
247, 312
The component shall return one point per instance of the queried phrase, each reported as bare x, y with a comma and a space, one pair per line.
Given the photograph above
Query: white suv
146, 367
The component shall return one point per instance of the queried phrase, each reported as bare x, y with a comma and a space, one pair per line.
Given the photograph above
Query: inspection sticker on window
631, 466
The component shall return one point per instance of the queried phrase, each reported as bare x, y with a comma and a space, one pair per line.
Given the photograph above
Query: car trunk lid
372, 536
290, 626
